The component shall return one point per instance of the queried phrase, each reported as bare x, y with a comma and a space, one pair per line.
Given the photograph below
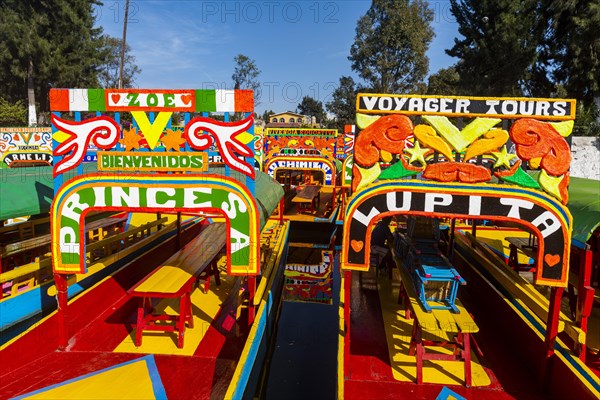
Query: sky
301, 47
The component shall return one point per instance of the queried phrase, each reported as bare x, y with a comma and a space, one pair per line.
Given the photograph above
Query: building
290, 119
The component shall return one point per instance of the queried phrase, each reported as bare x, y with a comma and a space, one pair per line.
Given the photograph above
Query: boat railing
521, 289
22, 230
40, 270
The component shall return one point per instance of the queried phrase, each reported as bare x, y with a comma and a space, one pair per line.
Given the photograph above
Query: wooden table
453, 329
309, 195
175, 279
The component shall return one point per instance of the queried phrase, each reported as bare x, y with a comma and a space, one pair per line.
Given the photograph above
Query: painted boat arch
303, 163
169, 193
546, 217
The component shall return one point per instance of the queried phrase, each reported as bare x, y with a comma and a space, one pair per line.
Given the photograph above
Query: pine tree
573, 47
343, 103
390, 45
498, 54
108, 75
53, 43
312, 108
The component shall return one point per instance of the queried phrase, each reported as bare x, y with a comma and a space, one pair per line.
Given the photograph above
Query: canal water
304, 357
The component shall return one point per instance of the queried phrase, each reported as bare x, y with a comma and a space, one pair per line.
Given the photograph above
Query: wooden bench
95, 229
519, 288
308, 196
175, 279
527, 247
12, 249
23, 230
452, 329
120, 241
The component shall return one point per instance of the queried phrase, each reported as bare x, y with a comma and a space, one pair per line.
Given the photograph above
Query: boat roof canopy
25, 191
584, 204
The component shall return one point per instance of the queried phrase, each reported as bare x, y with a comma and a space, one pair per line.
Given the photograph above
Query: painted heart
37, 138
115, 97
357, 245
551, 259
187, 99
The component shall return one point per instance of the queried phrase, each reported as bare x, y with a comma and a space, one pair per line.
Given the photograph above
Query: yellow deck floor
204, 308
398, 334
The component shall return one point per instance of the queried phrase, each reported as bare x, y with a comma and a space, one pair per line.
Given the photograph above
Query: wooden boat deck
369, 373
102, 333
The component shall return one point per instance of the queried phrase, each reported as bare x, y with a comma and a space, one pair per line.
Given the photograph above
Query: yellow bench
175, 279
520, 288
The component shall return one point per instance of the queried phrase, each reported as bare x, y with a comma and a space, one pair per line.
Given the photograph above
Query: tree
12, 114
343, 103
267, 116
444, 82
499, 52
390, 45
108, 75
47, 43
312, 108
573, 48
245, 75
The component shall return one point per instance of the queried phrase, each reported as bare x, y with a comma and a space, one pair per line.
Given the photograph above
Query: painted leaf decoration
492, 140
564, 127
364, 120
519, 177
399, 171
428, 136
551, 184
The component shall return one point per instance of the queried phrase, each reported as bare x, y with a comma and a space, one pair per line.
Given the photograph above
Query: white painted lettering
124, 197
431, 105
151, 195
560, 108
392, 201
100, 200
190, 197
547, 220
542, 108
370, 102
230, 208
516, 204
73, 208
492, 106
415, 104
436, 199
509, 107
365, 219
400, 101
68, 238
475, 205
385, 103
462, 106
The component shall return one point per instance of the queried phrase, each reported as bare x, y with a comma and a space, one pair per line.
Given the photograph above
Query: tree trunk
31, 95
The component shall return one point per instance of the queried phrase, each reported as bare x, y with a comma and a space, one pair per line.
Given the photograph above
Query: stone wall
586, 157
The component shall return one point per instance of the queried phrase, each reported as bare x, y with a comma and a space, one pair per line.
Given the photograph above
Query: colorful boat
113, 241
491, 345
304, 162
147, 330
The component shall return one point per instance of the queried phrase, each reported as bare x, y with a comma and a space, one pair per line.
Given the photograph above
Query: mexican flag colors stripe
201, 100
